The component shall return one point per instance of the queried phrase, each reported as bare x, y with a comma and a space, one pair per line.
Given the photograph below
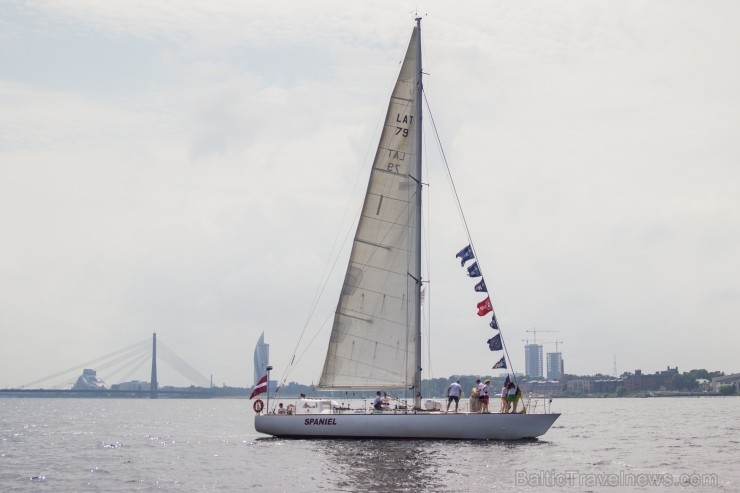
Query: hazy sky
185, 167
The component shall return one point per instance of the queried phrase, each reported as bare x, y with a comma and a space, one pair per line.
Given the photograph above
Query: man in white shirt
454, 391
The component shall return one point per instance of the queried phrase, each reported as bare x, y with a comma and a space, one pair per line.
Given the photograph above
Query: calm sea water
660, 444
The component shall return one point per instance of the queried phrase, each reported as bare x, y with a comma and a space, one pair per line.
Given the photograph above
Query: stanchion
269, 368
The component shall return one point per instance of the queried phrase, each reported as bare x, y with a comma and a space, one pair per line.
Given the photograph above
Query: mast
417, 165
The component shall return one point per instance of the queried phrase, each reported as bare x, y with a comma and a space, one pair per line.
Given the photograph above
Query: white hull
435, 426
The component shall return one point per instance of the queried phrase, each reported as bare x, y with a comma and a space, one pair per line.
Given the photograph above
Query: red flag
485, 307
260, 387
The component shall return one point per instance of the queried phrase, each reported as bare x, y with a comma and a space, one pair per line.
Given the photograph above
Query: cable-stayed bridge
91, 378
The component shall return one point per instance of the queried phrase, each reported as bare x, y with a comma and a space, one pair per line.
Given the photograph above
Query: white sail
375, 338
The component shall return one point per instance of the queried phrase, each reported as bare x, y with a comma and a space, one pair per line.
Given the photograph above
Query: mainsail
375, 337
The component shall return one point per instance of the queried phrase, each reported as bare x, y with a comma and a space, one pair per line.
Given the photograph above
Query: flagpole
268, 387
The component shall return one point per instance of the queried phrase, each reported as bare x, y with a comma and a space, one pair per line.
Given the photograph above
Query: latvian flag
260, 387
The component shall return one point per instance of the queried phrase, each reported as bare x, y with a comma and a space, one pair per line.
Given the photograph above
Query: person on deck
475, 398
510, 396
385, 402
504, 401
517, 398
281, 409
484, 394
378, 401
481, 386
454, 391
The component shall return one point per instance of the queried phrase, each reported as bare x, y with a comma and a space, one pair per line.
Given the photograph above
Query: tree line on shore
690, 381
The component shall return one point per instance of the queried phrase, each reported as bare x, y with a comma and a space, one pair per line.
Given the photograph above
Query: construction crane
550, 342
534, 331
553, 342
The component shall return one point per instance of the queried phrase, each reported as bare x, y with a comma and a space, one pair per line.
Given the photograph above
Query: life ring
258, 406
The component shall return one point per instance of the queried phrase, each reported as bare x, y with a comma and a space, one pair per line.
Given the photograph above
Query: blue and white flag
494, 324
501, 363
481, 286
465, 254
494, 343
474, 270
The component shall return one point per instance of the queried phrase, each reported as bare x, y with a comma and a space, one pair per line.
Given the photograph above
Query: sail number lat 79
405, 119
404, 131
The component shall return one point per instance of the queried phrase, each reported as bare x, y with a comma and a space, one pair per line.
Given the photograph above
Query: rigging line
427, 238
287, 371
131, 360
136, 367
82, 365
316, 334
448, 171
178, 364
326, 274
126, 358
508, 358
462, 215
123, 357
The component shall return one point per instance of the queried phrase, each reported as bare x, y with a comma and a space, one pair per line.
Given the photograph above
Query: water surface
211, 445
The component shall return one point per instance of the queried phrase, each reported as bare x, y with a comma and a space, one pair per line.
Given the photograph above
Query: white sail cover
375, 333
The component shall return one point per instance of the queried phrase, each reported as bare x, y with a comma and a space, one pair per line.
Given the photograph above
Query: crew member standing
484, 395
454, 391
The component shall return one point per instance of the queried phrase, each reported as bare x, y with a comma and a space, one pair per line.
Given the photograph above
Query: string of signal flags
484, 307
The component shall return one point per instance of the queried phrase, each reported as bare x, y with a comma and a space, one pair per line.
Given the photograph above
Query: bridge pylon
154, 387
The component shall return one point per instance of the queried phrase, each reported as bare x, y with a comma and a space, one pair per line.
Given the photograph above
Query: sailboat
376, 335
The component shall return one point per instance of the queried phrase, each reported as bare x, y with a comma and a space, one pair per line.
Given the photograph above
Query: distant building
533, 360
606, 385
554, 366
132, 385
733, 380
89, 381
581, 385
542, 387
594, 385
661, 380
261, 358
